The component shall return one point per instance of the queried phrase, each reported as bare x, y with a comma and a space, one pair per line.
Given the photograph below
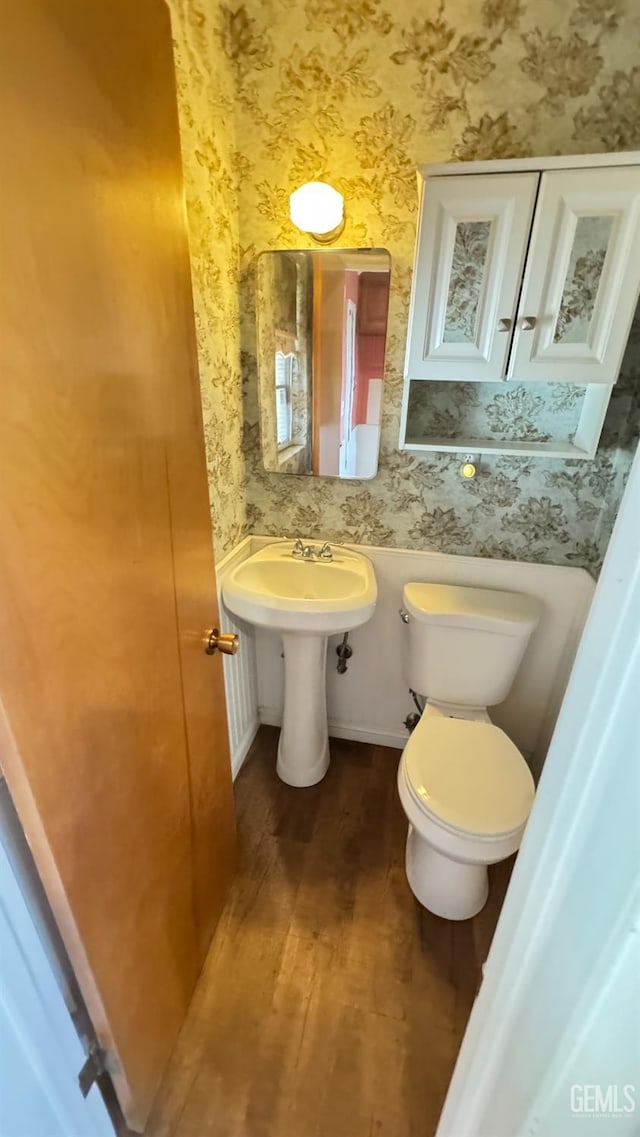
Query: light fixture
318, 209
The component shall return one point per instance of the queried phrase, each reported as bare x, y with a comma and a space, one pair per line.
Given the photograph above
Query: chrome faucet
311, 552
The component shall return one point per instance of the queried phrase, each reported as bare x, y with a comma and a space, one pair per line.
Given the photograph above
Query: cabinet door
582, 277
471, 246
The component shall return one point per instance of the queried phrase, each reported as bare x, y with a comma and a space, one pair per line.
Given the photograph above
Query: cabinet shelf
514, 449
546, 420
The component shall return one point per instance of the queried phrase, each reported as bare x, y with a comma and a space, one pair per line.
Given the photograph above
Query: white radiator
240, 673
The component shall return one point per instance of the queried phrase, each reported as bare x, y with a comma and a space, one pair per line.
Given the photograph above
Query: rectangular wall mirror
322, 327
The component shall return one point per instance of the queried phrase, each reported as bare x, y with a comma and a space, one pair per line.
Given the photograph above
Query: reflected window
285, 375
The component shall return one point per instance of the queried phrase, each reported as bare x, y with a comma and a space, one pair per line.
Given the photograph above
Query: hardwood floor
331, 1004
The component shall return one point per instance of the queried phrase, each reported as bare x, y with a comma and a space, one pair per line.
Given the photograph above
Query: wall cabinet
526, 272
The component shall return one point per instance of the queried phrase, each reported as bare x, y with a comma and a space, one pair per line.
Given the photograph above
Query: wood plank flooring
331, 1004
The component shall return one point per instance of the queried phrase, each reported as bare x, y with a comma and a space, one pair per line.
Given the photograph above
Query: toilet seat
468, 776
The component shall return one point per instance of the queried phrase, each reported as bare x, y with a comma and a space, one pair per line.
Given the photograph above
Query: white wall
40, 1050
558, 1013
371, 701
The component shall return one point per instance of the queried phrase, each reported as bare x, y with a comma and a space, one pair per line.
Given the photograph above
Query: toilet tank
466, 644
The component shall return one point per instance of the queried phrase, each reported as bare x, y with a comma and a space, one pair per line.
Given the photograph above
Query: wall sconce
318, 209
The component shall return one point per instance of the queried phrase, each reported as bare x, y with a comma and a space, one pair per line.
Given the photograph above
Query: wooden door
472, 240
112, 719
583, 273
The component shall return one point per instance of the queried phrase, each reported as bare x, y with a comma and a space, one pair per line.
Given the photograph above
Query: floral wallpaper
205, 84
359, 93
525, 412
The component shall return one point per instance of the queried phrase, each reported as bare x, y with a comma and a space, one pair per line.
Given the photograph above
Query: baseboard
359, 734
271, 717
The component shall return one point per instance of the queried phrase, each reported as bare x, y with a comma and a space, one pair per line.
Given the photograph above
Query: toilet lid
469, 774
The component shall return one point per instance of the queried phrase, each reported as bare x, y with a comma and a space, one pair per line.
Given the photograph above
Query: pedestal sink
306, 600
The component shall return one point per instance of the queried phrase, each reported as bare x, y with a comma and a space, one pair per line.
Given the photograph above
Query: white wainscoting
240, 677
371, 700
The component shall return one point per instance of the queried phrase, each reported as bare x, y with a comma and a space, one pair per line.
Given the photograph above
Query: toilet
464, 786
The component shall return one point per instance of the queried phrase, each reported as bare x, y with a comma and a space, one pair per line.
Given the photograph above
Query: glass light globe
316, 208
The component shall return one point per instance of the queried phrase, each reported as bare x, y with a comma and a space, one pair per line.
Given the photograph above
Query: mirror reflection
322, 325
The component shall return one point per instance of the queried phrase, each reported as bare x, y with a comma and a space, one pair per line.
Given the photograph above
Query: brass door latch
225, 642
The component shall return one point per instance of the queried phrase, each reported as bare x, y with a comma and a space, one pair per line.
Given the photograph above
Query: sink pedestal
303, 750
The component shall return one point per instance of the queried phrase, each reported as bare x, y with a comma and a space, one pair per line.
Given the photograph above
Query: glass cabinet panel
584, 275
468, 267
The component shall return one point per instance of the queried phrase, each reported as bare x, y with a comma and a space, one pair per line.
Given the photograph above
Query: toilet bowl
467, 793
464, 786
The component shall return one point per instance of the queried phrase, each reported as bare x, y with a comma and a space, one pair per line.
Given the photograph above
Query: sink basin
305, 601
274, 590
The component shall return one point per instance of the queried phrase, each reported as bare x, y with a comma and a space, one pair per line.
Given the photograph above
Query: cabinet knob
528, 323
504, 325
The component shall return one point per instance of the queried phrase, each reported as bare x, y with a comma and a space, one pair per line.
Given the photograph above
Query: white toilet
464, 786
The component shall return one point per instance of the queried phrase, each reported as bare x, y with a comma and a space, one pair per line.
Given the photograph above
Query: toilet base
452, 889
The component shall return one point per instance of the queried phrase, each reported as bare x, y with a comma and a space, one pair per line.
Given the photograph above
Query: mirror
322, 326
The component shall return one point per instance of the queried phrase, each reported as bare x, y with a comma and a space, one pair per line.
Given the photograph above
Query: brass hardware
504, 325
225, 642
330, 237
469, 467
528, 323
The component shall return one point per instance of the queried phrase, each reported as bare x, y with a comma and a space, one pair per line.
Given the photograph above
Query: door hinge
98, 1061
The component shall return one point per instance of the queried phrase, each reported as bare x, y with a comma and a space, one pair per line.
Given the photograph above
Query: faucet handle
326, 552
298, 548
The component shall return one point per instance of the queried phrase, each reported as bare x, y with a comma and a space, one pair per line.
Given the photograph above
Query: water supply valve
344, 651
412, 721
